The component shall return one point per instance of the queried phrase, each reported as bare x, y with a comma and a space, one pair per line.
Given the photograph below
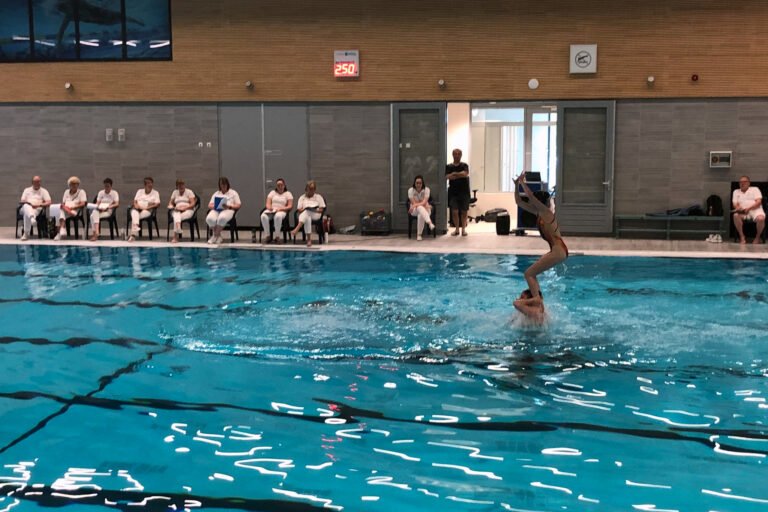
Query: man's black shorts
460, 203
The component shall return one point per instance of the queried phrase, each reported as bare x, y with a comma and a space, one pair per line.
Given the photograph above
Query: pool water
173, 379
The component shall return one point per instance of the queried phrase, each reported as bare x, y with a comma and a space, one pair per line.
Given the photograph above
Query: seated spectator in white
279, 203
224, 203
33, 200
311, 206
182, 206
748, 204
106, 202
144, 202
74, 199
420, 208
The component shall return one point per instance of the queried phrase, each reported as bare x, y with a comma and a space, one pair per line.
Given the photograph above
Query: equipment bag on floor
492, 214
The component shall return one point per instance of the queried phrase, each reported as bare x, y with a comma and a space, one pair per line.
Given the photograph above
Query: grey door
241, 158
286, 147
584, 194
418, 147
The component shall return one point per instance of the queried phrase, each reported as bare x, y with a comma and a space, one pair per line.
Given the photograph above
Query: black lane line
78, 342
354, 414
156, 502
103, 383
98, 305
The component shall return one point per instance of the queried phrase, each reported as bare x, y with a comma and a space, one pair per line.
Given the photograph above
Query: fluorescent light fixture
115, 42
45, 43
90, 42
133, 42
159, 44
20, 38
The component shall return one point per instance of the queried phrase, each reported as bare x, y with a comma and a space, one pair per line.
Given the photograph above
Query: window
76, 30
513, 139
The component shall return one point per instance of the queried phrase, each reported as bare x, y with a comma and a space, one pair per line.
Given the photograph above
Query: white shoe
711, 238
24, 237
57, 237
218, 241
718, 239
418, 238
212, 240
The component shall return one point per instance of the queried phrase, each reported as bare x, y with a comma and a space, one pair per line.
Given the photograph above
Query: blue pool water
172, 379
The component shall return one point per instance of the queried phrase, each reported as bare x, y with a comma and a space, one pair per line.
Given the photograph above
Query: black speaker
502, 224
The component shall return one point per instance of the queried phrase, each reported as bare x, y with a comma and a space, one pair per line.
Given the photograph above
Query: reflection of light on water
733, 496
553, 487
397, 454
652, 486
554, 471
327, 503
560, 451
468, 471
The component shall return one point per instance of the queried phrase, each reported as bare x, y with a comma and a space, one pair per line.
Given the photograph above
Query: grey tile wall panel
57, 141
685, 131
350, 158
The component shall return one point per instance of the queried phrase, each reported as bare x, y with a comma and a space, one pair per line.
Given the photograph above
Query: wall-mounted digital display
346, 63
76, 30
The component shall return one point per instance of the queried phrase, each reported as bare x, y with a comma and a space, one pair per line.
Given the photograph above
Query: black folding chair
318, 224
284, 229
111, 221
231, 226
151, 220
78, 219
42, 223
412, 218
192, 221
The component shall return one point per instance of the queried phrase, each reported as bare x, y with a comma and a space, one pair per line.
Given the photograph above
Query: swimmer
530, 306
538, 203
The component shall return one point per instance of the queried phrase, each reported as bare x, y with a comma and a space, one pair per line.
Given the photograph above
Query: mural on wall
84, 30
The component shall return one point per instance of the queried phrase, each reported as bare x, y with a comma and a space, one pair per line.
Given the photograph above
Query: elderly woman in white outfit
224, 203
144, 202
106, 202
182, 206
33, 200
310, 208
279, 203
74, 198
420, 208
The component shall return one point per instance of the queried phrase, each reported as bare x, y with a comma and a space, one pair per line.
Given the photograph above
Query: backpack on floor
714, 206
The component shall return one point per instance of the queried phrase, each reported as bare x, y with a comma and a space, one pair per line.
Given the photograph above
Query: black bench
668, 225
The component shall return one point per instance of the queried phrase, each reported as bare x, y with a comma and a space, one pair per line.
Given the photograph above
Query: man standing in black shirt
457, 174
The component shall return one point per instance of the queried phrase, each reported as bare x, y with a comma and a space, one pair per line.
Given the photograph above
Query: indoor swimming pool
184, 379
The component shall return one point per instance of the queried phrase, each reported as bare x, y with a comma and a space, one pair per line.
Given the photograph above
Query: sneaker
710, 238
718, 239
418, 238
212, 240
24, 237
131, 238
57, 237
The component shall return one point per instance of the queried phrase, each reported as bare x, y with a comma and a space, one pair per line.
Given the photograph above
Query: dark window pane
54, 29
101, 29
14, 30
148, 28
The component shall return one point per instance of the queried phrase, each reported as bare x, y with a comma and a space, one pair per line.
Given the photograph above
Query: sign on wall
346, 63
583, 58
